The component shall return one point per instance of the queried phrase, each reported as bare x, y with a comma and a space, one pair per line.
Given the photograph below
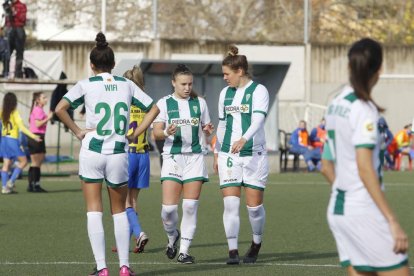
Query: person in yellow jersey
10, 146
139, 165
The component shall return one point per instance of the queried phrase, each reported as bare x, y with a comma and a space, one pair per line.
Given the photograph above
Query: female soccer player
38, 121
369, 239
10, 146
103, 154
139, 165
182, 120
240, 156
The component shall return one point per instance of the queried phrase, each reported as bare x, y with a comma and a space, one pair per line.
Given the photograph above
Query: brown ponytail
365, 59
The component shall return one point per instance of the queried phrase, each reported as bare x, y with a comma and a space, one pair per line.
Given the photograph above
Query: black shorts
37, 147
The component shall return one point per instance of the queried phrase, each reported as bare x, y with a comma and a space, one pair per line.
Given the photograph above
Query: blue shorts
139, 170
10, 148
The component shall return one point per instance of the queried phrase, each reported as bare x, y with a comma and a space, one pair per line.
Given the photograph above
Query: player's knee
256, 211
168, 211
190, 206
231, 205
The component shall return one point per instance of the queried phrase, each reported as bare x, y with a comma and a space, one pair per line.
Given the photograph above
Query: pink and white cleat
126, 271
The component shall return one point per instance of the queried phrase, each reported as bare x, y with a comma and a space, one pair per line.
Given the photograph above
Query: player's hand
238, 145
215, 163
37, 138
81, 134
172, 129
131, 138
208, 129
400, 238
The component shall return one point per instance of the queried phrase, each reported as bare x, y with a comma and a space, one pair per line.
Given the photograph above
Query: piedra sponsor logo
185, 122
243, 108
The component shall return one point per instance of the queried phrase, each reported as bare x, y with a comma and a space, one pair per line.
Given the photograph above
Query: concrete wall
329, 74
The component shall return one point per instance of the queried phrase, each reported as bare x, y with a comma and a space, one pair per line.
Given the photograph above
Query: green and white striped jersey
351, 123
189, 115
235, 108
107, 101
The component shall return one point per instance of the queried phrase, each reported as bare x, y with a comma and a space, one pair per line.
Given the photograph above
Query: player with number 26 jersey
108, 99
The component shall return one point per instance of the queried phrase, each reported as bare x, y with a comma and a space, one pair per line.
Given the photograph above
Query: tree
344, 21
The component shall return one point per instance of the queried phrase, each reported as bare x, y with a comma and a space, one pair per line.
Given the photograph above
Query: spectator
4, 53
386, 137
15, 22
318, 136
300, 144
401, 143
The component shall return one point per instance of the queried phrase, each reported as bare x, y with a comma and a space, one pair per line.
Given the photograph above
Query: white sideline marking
170, 263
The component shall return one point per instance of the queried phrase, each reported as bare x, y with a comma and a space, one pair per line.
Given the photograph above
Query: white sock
231, 220
169, 216
121, 231
97, 238
188, 223
257, 217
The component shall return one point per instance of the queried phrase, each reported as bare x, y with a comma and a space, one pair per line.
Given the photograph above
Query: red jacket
19, 15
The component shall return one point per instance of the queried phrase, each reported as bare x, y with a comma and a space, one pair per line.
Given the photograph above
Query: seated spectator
401, 143
300, 144
318, 136
386, 137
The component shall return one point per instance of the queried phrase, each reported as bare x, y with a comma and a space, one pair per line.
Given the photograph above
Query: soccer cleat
185, 259
30, 188
126, 271
171, 252
141, 242
102, 272
39, 189
5, 190
10, 185
252, 253
233, 257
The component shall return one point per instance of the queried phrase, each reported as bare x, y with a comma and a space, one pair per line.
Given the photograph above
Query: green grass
45, 234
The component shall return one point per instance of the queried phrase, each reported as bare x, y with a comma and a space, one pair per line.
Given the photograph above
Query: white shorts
365, 242
184, 168
248, 171
95, 167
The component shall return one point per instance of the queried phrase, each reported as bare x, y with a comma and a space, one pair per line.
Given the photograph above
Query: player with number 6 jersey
240, 157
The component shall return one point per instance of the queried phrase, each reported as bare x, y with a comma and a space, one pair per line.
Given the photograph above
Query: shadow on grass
295, 256
162, 249
284, 257
212, 265
181, 268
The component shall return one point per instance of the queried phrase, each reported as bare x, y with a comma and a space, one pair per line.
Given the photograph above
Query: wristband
166, 133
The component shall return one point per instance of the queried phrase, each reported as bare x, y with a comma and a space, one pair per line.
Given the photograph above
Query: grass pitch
45, 234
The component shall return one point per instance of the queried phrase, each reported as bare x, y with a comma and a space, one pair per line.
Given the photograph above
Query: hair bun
233, 50
101, 40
